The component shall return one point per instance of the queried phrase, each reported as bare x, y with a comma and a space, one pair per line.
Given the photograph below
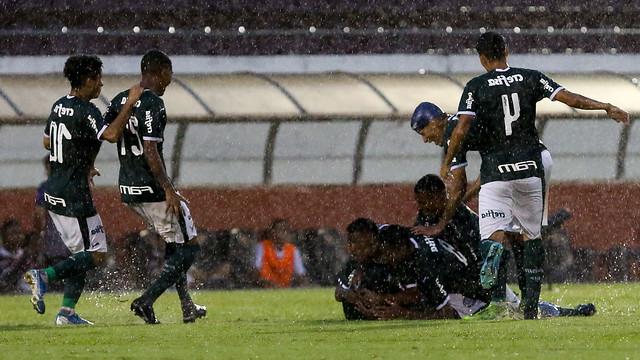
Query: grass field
308, 324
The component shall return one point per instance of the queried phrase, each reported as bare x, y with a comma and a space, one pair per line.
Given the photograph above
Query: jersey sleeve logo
94, 124
546, 86
148, 121
469, 100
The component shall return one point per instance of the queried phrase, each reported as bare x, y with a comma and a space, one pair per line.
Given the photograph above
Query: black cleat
586, 309
144, 311
192, 312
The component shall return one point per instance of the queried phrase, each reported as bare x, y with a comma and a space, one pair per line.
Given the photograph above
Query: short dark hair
362, 225
394, 236
154, 61
79, 68
429, 184
492, 45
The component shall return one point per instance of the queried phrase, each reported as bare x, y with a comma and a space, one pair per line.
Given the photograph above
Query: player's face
431, 205
95, 85
164, 79
362, 246
432, 134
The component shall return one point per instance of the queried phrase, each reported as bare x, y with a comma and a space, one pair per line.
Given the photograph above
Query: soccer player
502, 105
147, 190
71, 138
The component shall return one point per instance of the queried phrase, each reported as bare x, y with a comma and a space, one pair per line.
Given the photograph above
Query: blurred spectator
18, 253
278, 260
559, 255
324, 254
242, 249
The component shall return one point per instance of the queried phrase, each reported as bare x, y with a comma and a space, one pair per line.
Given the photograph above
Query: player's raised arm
113, 131
582, 102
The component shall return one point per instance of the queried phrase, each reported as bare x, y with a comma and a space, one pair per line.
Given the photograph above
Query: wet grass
307, 324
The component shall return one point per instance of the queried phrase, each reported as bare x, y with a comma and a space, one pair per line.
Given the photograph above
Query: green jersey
137, 183
504, 102
72, 129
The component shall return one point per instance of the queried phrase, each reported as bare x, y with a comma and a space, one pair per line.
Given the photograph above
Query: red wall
604, 214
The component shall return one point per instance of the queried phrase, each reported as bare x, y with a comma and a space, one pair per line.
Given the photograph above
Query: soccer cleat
144, 311
70, 318
496, 311
586, 309
192, 312
35, 279
491, 266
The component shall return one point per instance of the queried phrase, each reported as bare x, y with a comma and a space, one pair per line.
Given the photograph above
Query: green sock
534, 274
181, 284
51, 273
78, 263
517, 248
73, 287
499, 290
174, 267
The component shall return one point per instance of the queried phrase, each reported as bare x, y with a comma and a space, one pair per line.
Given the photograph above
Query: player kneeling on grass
145, 187
369, 288
71, 138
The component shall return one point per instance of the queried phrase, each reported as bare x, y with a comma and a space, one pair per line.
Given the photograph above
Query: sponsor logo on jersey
519, 166
55, 201
441, 288
124, 101
135, 190
98, 230
148, 119
469, 100
494, 214
62, 111
93, 123
505, 80
546, 86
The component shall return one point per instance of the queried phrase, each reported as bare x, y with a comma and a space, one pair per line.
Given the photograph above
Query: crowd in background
240, 258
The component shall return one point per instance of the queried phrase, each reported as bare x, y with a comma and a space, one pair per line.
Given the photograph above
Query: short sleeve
110, 115
434, 294
89, 125
459, 160
151, 127
546, 87
468, 104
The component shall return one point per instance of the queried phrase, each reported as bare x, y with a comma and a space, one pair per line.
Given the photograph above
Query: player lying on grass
71, 138
382, 279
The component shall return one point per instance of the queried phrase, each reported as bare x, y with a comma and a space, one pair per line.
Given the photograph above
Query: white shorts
177, 229
81, 234
511, 206
547, 165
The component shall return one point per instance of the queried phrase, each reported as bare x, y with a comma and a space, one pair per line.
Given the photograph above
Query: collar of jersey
503, 70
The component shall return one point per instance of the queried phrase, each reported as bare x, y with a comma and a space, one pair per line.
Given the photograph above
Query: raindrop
583, 29
422, 71
464, 9
241, 30
613, 51
207, 29
100, 29
64, 29
483, 30
550, 29
380, 30
346, 29
616, 29
136, 29
449, 29
172, 30
516, 30
312, 29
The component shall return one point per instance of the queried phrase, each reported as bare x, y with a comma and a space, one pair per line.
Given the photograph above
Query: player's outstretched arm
455, 143
113, 132
582, 102
156, 165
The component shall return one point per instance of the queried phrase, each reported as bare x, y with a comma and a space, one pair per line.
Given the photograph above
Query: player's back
146, 123
72, 128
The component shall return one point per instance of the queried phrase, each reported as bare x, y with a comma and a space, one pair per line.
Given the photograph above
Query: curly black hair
492, 45
79, 68
154, 61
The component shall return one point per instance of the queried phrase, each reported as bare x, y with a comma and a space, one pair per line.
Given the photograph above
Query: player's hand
429, 231
617, 114
93, 172
134, 93
173, 202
